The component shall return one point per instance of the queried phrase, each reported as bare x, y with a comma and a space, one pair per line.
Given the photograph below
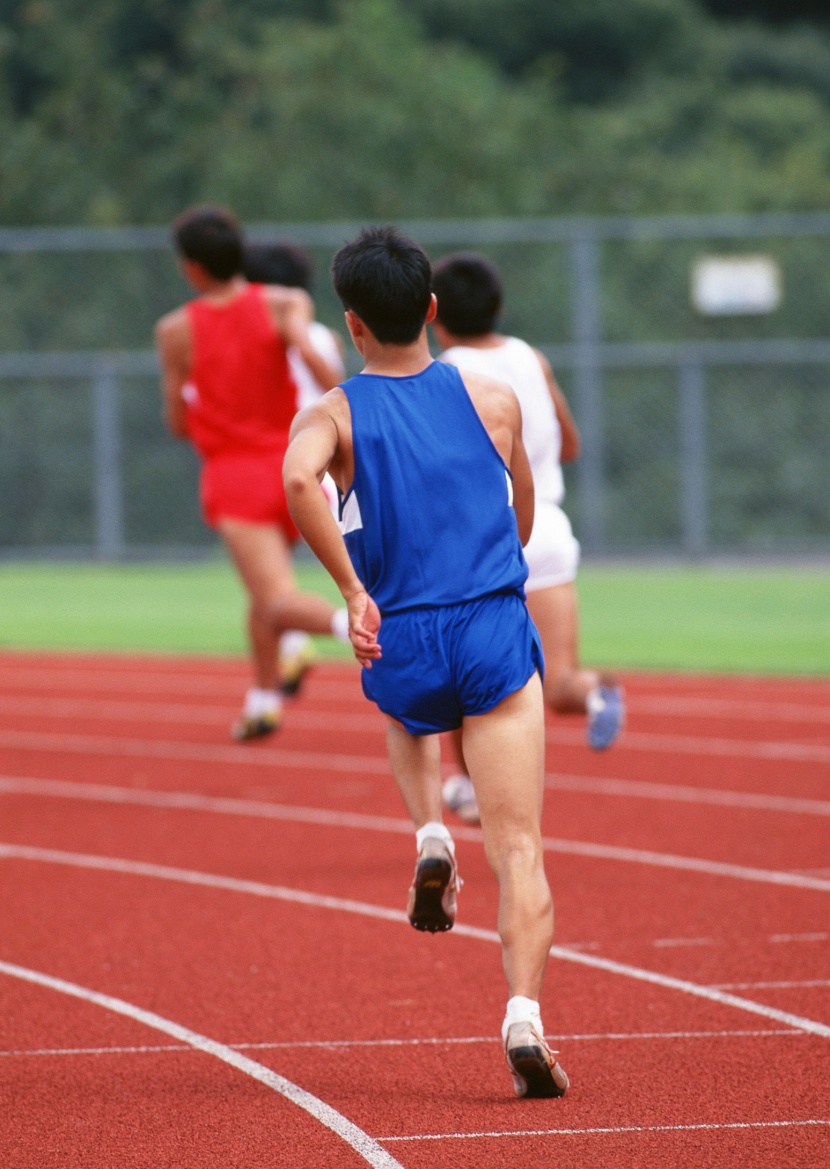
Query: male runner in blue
436, 497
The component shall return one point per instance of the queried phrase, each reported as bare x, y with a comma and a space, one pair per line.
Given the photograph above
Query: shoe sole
243, 734
289, 687
292, 686
540, 1077
431, 880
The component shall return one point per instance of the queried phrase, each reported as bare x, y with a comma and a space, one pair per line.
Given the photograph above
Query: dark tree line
116, 111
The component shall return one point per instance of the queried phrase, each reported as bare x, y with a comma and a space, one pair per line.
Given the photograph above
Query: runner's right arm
173, 348
313, 446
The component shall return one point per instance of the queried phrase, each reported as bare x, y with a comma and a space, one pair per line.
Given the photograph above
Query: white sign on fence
736, 285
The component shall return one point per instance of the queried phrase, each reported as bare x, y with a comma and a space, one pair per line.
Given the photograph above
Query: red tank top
241, 394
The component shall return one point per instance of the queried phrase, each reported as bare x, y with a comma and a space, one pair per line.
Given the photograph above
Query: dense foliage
121, 111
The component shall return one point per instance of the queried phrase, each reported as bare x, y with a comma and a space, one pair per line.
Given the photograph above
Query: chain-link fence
702, 434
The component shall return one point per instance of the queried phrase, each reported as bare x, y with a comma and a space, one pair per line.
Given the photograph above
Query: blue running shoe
606, 715
460, 797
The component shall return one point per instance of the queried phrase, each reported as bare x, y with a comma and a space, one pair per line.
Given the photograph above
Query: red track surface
243, 903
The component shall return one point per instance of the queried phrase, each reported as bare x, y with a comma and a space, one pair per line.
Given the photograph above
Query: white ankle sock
259, 702
435, 829
293, 642
521, 1010
340, 625
594, 702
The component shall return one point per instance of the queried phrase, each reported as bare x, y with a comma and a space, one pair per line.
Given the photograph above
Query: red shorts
246, 486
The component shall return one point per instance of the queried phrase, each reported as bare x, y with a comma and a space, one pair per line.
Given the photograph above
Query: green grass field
757, 620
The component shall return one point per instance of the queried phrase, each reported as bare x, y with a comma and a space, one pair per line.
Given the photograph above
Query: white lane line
180, 713
817, 937
579, 1132
270, 756
127, 681
131, 709
325, 1044
694, 745
301, 815
771, 985
688, 864
333, 678
247, 755
665, 943
321, 901
361, 1142
751, 710
367, 721
686, 794
631, 740
229, 686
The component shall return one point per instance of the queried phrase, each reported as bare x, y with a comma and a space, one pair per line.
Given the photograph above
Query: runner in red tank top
245, 397
227, 387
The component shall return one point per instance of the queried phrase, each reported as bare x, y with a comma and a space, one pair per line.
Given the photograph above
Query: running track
204, 961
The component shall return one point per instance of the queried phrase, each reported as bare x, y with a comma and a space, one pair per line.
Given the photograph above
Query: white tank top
516, 363
324, 341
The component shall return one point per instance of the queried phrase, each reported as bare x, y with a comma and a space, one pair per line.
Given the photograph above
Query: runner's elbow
298, 482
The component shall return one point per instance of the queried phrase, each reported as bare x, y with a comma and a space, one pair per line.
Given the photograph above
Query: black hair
278, 263
212, 237
469, 292
384, 278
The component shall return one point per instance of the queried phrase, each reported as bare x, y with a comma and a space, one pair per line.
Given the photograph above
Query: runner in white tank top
469, 292
552, 553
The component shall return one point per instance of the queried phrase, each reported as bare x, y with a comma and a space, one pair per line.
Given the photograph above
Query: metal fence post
109, 489
693, 487
588, 386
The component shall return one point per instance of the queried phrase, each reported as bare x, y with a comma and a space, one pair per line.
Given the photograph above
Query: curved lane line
360, 1141
302, 897
292, 812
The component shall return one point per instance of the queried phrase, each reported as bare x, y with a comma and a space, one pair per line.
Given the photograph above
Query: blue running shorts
442, 664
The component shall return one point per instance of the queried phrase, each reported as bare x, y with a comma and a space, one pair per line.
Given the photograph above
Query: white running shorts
552, 552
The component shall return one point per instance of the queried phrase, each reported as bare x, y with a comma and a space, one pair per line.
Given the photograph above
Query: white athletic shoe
294, 666
460, 797
532, 1064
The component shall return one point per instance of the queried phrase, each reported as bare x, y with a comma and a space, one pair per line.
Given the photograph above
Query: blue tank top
428, 520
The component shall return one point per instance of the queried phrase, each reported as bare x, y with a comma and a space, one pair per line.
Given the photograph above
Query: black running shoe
432, 894
246, 727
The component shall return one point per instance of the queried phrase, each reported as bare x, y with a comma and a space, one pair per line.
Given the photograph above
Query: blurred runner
437, 497
288, 265
227, 387
469, 292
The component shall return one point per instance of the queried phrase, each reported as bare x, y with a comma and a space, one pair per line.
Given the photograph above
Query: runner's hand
364, 623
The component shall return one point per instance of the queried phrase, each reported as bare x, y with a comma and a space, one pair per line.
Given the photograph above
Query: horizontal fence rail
678, 432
